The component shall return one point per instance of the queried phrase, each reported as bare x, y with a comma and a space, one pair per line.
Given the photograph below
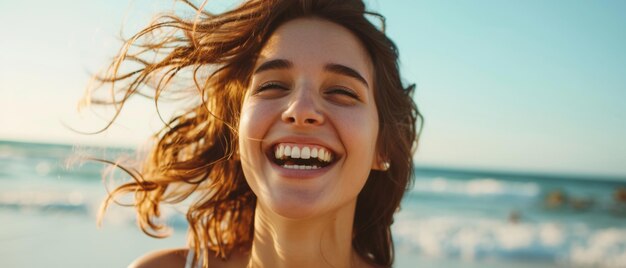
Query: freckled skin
307, 105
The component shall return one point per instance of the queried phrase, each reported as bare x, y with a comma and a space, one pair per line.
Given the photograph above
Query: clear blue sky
533, 86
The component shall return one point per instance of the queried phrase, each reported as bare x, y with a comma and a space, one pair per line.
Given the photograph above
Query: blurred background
522, 160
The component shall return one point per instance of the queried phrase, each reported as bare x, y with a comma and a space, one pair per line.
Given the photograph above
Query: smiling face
309, 124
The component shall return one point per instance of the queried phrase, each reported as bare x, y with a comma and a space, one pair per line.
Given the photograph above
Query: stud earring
386, 165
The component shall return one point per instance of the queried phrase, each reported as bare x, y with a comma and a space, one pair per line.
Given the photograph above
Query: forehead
312, 42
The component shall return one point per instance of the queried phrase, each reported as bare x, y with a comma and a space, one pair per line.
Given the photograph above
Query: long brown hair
195, 151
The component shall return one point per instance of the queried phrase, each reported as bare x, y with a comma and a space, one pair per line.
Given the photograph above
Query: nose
303, 110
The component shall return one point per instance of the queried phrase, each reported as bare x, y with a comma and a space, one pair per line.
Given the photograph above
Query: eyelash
339, 90
345, 91
270, 85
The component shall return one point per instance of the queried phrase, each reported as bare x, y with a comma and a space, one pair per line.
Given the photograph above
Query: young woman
299, 146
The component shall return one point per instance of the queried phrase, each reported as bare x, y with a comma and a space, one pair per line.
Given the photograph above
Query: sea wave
574, 244
84, 204
45, 201
476, 187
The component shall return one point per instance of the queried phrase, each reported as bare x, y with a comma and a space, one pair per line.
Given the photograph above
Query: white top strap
189, 261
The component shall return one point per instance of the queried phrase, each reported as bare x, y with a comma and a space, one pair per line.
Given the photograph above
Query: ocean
450, 218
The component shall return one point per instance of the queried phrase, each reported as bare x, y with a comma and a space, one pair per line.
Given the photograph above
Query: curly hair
194, 152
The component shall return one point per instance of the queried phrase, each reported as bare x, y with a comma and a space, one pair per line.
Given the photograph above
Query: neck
324, 241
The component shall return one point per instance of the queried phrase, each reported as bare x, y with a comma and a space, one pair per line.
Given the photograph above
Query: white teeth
279, 152
286, 151
300, 167
306, 153
321, 155
295, 152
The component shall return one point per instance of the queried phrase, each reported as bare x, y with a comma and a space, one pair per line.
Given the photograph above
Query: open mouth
297, 156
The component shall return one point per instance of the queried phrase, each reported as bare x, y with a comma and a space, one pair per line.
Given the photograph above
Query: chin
296, 204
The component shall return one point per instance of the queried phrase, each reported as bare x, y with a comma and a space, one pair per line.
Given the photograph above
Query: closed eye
270, 89
343, 96
344, 91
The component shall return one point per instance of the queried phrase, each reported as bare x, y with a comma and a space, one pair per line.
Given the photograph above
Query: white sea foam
514, 236
472, 239
45, 201
605, 247
476, 187
551, 234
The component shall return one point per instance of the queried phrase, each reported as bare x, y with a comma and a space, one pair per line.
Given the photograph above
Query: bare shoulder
162, 258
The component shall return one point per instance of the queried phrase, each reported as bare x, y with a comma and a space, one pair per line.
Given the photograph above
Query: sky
525, 86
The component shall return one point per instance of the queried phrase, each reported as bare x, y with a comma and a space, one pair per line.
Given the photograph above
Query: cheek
359, 132
359, 137
253, 121
249, 134
251, 130
362, 126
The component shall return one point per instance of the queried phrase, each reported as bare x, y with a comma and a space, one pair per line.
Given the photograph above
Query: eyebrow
340, 69
274, 65
345, 70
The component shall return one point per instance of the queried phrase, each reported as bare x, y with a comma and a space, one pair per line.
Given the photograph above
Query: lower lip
300, 173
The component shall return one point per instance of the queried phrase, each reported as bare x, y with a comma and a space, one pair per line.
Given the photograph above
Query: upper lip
304, 140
